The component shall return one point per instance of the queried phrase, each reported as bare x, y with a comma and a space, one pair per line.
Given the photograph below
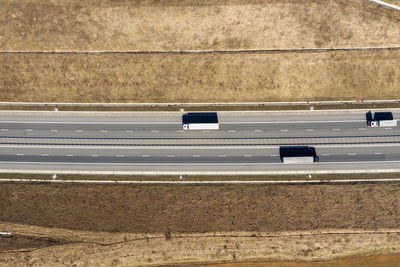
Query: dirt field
201, 78
178, 224
74, 25
188, 209
367, 261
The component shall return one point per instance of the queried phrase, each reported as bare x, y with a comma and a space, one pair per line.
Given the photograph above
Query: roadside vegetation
176, 25
146, 26
339, 75
393, 2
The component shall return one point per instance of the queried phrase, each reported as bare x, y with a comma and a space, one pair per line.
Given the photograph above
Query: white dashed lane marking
171, 156
258, 131
377, 153
247, 155
284, 130
145, 156
335, 129
222, 156
104, 131
95, 155
120, 156
79, 131
326, 154
53, 130
29, 130
351, 154
196, 156
4, 130
20, 154
310, 130
232, 131
362, 129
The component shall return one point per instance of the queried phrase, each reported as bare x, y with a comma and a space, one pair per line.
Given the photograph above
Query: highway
145, 142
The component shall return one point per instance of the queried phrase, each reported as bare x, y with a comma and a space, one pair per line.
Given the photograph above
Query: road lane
170, 131
296, 124
182, 156
148, 142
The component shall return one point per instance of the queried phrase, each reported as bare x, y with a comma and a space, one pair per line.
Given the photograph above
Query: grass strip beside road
258, 77
194, 178
261, 107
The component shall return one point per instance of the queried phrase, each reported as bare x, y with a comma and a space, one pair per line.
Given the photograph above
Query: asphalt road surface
246, 141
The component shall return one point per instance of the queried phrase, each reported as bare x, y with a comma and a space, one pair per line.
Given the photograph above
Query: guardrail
215, 104
193, 142
384, 180
385, 4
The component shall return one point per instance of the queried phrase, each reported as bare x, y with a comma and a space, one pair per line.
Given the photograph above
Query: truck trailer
200, 121
299, 159
380, 119
298, 154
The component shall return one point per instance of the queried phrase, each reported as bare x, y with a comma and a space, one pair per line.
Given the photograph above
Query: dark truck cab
380, 119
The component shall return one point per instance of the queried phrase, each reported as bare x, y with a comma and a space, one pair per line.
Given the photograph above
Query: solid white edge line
57, 146
174, 123
195, 164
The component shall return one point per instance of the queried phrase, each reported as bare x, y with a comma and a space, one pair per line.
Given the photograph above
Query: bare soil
340, 75
376, 260
150, 25
188, 209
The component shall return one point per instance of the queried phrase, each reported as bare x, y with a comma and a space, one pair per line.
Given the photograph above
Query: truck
200, 121
380, 119
298, 154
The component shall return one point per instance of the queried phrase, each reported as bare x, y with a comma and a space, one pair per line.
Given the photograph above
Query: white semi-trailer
301, 159
298, 154
200, 121
381, 119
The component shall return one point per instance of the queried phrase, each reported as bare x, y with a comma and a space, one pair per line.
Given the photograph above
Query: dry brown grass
393, 2
32, 25
201, 78
32, 245
73, 25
